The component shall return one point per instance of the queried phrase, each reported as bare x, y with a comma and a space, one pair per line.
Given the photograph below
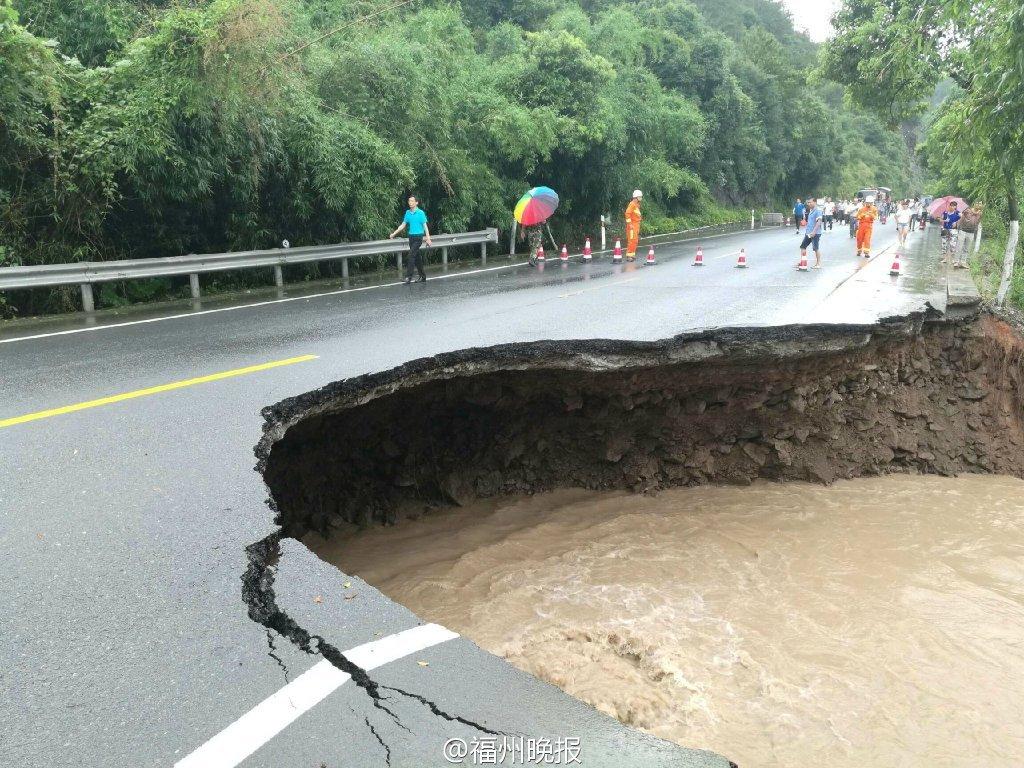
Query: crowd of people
845, 211
832, 211
812, 217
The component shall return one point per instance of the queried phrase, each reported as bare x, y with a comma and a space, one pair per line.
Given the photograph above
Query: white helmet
637, 193
869, 199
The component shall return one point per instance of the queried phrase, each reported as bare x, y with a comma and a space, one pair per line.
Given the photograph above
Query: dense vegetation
133, 129
958, 70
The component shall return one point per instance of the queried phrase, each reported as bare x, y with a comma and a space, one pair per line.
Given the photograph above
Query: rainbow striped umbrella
536, 206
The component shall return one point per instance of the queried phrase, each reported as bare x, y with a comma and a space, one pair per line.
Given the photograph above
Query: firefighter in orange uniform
866, 216
633, 219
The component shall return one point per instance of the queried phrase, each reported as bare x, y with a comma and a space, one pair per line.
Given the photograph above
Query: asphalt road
125, 640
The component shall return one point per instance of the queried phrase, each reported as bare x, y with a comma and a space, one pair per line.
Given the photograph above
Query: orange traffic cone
540, 254
699, 260
617, 253
741, 262
650, 256
588, 252
565, 253
895, 269
802, 266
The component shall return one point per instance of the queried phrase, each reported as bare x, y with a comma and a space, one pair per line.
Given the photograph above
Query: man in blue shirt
950, 224
798, 214
416, 220
812, 235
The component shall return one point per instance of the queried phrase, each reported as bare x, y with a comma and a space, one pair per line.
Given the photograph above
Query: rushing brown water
876, 622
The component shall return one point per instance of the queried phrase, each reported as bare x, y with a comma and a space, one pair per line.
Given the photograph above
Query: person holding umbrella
533, 209
951, 233
416, 220
947, 212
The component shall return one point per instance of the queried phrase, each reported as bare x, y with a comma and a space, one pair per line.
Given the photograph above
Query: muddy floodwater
876, 622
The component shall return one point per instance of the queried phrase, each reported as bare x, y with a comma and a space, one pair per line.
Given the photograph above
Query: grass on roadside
987, 265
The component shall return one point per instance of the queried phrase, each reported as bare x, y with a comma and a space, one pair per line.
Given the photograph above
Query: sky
812, 16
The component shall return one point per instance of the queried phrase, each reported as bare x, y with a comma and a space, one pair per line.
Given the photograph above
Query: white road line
270, 302
275, 713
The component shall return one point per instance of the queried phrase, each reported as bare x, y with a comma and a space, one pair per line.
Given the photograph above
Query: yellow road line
152, 391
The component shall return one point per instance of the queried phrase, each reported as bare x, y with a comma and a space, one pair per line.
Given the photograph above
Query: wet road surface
124, 525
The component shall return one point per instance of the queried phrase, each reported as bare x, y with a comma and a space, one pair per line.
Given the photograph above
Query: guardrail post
88, 304
977, 239
278, 276
444, 257
398, 261
344, 269
483, 253
193, 283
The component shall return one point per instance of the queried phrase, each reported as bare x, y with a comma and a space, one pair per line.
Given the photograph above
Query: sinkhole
547, 442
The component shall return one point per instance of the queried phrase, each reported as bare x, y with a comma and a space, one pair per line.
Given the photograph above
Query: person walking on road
866, 216
633, 219
798, 214
829, 213
812, 233
903, 217
416, 222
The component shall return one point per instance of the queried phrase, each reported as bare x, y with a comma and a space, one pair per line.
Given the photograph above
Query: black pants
828, 222
415, 258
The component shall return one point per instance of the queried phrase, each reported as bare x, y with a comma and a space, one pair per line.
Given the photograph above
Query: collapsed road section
920, 394
812, 403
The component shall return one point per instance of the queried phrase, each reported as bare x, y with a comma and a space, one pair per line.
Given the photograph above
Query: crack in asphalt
376, 735
273, 654
387, 749
261, 600
441, 713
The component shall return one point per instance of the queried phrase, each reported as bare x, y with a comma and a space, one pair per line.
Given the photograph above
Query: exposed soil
811, 403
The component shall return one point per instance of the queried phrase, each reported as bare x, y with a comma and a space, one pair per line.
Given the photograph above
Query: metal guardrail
84, 274
696, 233
766, 220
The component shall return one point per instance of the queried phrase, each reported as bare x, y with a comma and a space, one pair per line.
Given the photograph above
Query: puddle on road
874, 622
